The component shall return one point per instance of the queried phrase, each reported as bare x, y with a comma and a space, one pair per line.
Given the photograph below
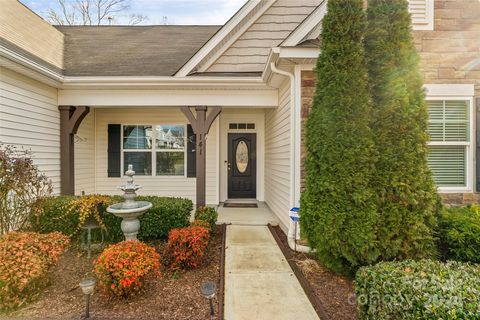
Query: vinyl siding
277, 156
28, 31
161, 186
250, 51
29, 119
85, 155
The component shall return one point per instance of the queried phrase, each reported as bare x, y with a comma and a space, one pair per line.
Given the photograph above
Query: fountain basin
135, 209
129, 212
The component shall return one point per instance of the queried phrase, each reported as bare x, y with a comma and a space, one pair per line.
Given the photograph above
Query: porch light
208, 291
88, 287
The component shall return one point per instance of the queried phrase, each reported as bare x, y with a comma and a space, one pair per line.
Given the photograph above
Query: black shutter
191, 155
477, 115
114, 155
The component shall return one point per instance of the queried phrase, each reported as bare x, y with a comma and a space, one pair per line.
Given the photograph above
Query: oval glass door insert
241, 156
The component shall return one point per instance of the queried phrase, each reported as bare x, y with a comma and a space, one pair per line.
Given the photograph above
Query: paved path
259, 283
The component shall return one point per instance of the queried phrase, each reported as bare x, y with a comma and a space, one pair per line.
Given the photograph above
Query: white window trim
154, 151
470, 144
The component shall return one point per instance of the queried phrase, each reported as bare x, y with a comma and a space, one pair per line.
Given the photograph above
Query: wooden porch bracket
70, 119
201, 126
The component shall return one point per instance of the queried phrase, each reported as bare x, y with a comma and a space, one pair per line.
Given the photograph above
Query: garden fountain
130, 210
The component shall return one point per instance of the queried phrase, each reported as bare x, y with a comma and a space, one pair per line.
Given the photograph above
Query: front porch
260, 216
171, 172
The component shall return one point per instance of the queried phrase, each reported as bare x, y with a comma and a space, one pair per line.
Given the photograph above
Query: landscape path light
208, 291
88, 287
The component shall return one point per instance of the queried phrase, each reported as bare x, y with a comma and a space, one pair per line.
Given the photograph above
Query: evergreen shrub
338, 209
459, 234
418, 290
155, 224
407, 201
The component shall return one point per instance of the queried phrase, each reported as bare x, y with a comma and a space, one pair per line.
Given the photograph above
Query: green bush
423, 289
338, 206
407, 201
48, 219
459, 234
208, 214
165, 214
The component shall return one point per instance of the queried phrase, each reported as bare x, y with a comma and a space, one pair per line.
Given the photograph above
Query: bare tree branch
92, 12
54, 17
136, 19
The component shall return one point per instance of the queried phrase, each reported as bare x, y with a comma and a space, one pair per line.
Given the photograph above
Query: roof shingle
131, 50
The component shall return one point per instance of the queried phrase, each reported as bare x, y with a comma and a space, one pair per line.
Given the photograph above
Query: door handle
229, 166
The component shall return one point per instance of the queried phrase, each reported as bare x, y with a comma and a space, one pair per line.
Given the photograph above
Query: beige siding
85, 155
28, 31
162, 186
250, 51
29, 119
277, 156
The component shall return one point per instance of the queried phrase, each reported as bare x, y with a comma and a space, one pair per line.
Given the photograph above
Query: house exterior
88, 101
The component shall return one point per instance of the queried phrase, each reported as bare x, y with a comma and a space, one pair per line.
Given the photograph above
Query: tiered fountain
130, 210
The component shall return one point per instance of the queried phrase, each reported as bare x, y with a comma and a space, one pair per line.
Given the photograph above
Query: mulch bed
332, 295
176, 295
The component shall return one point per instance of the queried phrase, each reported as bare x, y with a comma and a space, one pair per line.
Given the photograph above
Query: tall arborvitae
338, 208
406, 196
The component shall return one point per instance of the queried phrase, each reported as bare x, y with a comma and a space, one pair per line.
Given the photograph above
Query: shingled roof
131, 50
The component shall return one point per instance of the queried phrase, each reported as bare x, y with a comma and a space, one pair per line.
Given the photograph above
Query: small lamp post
208, 291
88, 287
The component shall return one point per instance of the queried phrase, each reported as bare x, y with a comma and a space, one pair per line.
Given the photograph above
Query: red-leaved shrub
186, 246
123, 267
24, 261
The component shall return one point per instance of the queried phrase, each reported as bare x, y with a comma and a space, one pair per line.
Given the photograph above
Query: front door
242, 165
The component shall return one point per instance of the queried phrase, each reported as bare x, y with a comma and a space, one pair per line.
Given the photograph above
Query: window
170, 144
158, 150
450, 146
241, 126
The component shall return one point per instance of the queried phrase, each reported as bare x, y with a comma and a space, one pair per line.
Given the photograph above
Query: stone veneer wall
449, 54
307, 92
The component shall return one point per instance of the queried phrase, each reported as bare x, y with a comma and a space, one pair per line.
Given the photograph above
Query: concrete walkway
259, 283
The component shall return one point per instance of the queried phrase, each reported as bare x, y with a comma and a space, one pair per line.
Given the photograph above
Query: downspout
293, 230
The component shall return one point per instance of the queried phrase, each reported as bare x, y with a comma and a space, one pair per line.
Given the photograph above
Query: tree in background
406, 195
338, 206
91, 12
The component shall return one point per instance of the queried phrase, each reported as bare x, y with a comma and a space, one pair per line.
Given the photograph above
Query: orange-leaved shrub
24, 261
123, 267
186, 246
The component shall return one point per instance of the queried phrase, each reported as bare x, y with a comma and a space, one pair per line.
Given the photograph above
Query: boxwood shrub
459, 234
423, 289
155, 224
207, 214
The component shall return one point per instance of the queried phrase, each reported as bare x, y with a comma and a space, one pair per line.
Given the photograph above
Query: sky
179, 12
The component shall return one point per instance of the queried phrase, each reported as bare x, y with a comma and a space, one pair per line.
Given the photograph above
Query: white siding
161, 186
250, 51
277, 156
85, 155
29, 119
